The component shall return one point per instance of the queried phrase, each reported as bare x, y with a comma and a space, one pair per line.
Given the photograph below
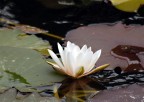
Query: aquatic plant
76, 62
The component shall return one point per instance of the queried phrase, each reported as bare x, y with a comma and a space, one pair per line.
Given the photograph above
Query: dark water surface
59, 19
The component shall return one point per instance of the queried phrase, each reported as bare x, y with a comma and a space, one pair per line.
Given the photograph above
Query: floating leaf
17, 38
127, 5
21, 67
131, 93
108, 39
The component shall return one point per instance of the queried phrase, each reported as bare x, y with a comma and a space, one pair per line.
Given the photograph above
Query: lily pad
131, 93
127, 5
17, 38
20, 67
107, 37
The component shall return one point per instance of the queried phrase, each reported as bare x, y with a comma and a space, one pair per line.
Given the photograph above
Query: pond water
73, 22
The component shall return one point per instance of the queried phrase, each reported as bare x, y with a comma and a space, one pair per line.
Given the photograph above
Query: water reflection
79, 90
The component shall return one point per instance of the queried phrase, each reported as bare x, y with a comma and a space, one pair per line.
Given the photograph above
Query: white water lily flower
76, 62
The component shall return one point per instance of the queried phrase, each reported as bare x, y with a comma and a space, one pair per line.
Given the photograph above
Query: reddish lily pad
132, 93
107, 37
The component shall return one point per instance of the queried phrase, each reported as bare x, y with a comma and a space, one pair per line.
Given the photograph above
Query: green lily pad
17, 38
20, 67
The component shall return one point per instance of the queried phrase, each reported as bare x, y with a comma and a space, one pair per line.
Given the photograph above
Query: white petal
82, 60
60, 48
84, 48
89, 49
69, 43
79, 59
87, 60
65, 60
75, 51
95, 57
70, 46
70, 67
61, 52
55, 58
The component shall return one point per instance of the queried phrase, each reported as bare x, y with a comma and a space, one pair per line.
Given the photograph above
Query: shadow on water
80, 89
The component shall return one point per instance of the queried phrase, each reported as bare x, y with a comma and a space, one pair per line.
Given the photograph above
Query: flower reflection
78, 90
76, 62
